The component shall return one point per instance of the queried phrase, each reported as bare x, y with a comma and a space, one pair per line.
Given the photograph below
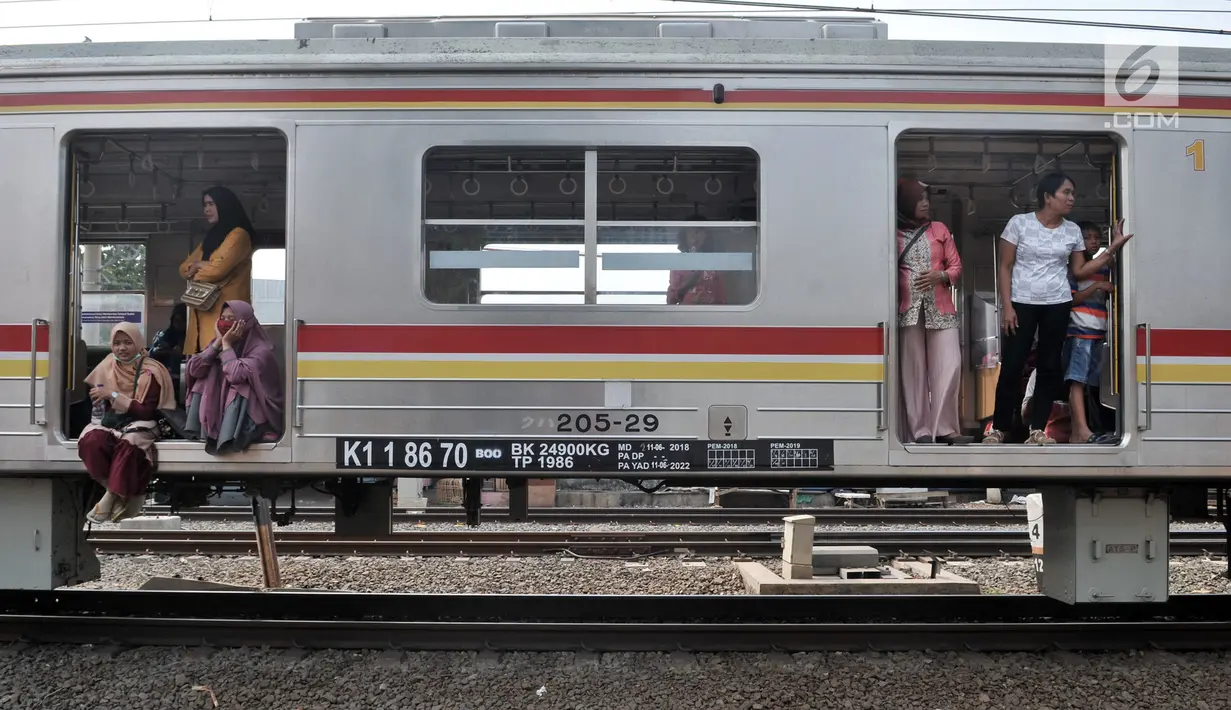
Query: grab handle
1149, 394
34, 326
299, 385
882, 389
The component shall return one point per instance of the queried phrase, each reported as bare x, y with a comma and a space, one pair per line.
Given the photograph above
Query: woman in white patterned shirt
1040, 250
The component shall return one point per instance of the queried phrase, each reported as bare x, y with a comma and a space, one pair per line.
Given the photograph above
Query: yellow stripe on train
1196, 374
21, 368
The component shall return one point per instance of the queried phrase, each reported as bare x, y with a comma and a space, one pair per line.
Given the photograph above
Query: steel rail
609, 623
964, 543
711, 516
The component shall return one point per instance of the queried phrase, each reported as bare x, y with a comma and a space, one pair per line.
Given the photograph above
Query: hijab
123, 377
231, 216
909, 194
262, 388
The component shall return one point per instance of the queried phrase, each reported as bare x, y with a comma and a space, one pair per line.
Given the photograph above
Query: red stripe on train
16, 338
342, 96
590, 339
701, 97
1185, 343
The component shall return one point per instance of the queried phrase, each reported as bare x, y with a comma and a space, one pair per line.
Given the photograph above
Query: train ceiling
151, 183
1000, 171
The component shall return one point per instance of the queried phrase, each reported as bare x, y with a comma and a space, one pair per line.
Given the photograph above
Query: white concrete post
797, 547
993, 496
410, 494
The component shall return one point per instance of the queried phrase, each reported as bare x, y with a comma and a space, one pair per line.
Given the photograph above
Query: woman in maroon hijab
234, 387
931, 353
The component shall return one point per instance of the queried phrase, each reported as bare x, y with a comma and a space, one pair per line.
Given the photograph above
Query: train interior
976, 183
136, 214
506, 225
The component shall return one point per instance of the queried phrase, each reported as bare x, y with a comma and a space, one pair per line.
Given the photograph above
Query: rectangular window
112, 289
678, 227
657, 226
504, 225
269, 286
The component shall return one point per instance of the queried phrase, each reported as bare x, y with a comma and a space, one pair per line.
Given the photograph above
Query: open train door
28, 277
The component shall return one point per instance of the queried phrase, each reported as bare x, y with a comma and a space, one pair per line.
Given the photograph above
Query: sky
66, 21
71, 21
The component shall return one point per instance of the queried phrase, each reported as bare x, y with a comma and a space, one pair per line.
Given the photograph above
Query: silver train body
479, 221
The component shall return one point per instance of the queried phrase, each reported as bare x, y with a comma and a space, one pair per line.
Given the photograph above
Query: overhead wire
946, 15
749, 5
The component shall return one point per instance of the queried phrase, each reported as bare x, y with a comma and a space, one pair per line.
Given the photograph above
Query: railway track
965, 543
706, 516
495, 623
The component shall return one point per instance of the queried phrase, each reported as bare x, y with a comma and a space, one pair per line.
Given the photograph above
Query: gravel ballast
440, 575
558, 574
75, 678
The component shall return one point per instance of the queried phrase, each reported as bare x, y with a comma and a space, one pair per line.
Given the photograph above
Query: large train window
975, 184
136, 214
677, 226
556, 226
504, 225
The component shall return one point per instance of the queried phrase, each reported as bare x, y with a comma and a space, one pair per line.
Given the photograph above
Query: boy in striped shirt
1083, 346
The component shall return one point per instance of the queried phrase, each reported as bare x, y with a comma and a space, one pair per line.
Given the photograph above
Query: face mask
129, 361
225, 325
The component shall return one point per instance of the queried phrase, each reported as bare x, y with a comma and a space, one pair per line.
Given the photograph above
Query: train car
471, 231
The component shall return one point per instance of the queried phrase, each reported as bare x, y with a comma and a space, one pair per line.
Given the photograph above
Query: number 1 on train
1196, 151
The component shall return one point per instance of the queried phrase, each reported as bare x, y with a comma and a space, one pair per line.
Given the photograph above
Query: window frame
590, 225
80, 295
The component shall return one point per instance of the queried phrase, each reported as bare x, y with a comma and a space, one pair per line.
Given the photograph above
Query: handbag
201, 296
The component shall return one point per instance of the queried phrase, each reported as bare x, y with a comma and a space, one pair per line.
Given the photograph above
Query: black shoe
923, 440
955, 439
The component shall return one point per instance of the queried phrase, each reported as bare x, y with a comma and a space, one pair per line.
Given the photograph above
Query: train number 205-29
603, 422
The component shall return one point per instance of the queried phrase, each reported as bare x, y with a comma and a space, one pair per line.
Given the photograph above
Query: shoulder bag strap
919, 232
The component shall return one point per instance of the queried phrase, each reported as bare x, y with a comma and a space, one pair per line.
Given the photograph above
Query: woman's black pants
1052, 325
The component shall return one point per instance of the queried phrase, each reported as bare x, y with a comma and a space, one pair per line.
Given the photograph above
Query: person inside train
1041, 250
223, 263
128, 389
1083, 346
234, 387
931, 351
695, 287
167, 346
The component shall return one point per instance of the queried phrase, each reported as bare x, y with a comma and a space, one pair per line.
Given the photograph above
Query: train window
269, 286
677, 226
508, 226
975, 184
504, 225
137, 214
112, 288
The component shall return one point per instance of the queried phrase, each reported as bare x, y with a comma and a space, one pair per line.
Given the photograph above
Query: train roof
588, 43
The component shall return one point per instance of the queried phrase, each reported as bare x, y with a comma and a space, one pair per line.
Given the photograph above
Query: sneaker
993, 437
1037, 436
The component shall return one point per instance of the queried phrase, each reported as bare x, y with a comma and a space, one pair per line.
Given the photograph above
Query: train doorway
135, 215
975, 184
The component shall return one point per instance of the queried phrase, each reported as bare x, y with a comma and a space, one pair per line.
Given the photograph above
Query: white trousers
931, 379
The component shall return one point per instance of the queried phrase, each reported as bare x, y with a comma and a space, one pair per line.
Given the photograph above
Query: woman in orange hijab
118, 447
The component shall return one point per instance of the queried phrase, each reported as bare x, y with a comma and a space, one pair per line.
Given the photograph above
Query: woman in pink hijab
234, 387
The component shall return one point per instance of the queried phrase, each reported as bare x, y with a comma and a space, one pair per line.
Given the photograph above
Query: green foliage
123, 267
